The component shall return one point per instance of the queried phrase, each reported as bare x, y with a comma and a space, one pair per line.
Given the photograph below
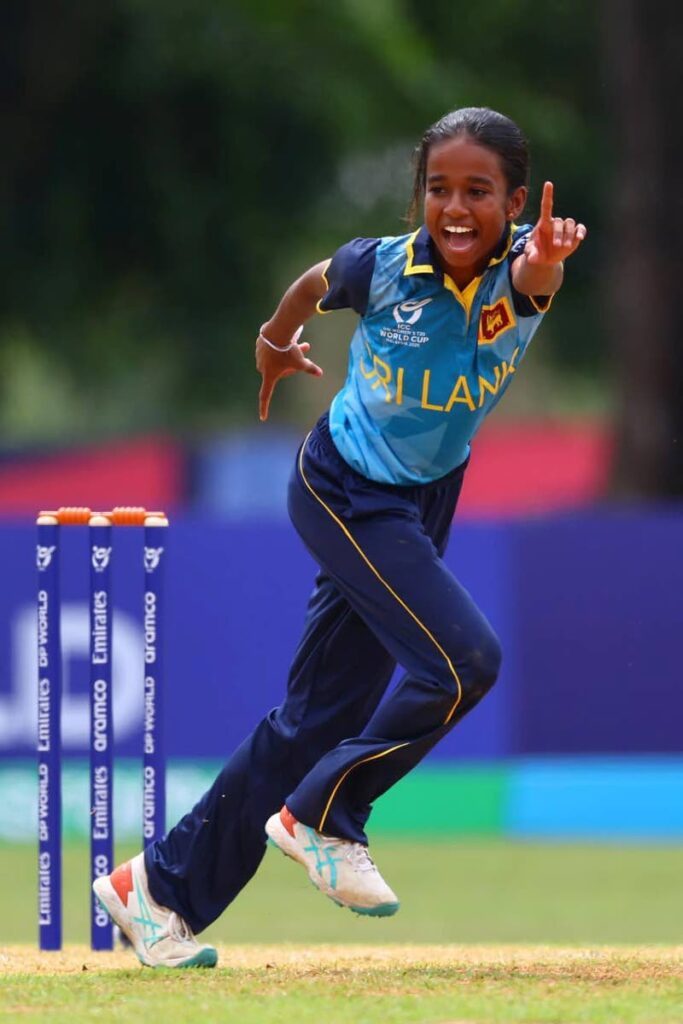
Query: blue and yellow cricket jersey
427, 361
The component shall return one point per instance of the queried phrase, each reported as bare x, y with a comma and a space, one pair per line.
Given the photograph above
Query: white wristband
280, 348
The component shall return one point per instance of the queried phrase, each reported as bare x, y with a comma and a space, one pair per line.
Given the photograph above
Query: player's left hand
274, 365
553, 238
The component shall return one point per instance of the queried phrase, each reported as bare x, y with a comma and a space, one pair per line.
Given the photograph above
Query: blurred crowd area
520, 469
168, 167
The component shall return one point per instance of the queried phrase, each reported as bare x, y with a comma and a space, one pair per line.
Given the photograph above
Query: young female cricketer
445, 316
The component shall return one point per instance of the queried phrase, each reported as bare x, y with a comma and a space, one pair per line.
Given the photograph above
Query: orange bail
70, 515
122, 515
130, 515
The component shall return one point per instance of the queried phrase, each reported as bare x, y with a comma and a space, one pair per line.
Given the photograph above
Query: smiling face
467, 205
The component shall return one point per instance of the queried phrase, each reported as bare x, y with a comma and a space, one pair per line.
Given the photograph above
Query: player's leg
337, 677
375, 544
400, 585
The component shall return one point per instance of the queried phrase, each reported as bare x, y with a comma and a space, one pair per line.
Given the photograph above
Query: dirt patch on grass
617, 964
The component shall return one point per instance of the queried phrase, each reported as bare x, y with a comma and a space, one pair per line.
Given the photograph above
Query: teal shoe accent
204, 958
323, 856
383, 910
146, 920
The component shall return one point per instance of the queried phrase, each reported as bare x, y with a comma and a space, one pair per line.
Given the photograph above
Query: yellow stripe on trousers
403, 605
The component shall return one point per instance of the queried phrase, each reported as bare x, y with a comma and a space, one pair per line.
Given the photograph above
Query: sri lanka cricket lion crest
494, 321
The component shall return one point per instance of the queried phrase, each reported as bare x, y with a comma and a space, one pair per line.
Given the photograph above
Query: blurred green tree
167, 163
643, 58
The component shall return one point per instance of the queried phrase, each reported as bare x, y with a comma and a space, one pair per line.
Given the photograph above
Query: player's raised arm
539, 271
278, 351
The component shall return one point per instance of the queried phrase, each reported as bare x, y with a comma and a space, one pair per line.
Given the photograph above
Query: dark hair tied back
485, 127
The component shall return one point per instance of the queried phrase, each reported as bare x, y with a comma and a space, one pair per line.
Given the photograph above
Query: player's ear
516, 202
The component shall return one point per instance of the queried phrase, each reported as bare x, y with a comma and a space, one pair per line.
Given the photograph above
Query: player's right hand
553, 239
273, 365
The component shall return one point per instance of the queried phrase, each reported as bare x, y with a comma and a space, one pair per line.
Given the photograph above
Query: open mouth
458, 238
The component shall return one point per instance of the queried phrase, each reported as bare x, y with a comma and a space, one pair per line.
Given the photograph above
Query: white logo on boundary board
44, 556
152, 558
100, 558
18, 708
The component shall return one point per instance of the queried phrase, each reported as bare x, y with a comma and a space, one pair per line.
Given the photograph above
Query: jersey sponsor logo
494, 321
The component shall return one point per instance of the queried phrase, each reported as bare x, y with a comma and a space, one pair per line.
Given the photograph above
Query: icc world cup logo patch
494, 321
409, 312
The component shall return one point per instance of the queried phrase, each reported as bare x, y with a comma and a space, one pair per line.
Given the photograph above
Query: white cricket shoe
341, 869
160, 937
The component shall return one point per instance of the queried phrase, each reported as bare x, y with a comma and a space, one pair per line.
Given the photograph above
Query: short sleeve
525, 305
348, 276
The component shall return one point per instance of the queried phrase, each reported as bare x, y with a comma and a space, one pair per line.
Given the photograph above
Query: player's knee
480, 667
485, 662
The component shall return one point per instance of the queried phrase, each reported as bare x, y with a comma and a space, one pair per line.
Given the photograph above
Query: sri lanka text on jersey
396, 387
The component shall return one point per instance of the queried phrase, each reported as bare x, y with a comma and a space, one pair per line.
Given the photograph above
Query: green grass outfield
357, 985
488, 931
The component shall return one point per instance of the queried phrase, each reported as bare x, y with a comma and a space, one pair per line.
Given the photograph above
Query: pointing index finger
547, 203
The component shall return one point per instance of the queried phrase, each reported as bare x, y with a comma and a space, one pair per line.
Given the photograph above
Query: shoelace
357, 854
178, 929
360, 859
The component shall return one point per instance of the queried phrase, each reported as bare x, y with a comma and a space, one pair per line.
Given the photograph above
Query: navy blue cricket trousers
383, 596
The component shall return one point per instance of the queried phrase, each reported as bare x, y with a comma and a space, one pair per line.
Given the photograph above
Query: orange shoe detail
122, 881
288, 820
